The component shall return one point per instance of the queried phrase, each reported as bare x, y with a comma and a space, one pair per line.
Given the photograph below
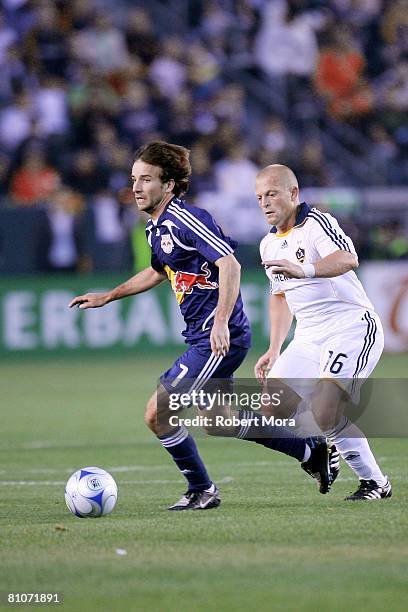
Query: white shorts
347, 356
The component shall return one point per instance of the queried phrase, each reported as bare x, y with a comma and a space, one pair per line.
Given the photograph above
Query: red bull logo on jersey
167, 243
183, 283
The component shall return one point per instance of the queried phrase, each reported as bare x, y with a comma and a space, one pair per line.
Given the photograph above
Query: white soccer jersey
316, 303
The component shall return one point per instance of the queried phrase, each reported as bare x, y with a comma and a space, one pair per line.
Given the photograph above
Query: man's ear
295, 193
170, 186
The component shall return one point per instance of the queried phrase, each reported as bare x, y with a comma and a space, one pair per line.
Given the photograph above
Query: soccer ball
91, 492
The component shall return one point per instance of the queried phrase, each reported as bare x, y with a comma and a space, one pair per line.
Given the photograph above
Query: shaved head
277, 191
280, 174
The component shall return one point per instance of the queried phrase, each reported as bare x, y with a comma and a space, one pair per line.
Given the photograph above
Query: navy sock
270, 436
183, 449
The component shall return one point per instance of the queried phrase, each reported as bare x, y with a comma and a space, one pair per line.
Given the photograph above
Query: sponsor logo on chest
183, 283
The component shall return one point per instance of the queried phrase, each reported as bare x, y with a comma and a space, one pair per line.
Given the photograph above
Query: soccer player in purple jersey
192, 252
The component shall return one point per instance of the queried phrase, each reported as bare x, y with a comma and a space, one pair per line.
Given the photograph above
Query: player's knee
150, 416
216, 421
150, 420
221, 429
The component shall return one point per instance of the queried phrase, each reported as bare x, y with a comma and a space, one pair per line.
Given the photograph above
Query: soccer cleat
210, 498
185, 502
198, 500
334, 461
370, 490
318, 464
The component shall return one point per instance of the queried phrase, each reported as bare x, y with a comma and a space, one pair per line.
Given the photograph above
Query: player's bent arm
335, 264
228, 289
142, 281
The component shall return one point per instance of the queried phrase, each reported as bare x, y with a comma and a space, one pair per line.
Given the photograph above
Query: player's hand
90, 300
220, 339
283, 266
264, 364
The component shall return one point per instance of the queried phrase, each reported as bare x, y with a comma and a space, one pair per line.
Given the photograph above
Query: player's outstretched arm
280, 319
142, 281
228, 281
335, 264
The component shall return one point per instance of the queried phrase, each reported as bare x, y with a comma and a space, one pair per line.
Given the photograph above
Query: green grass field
274, 544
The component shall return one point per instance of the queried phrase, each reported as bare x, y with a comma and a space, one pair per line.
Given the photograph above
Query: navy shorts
198, 365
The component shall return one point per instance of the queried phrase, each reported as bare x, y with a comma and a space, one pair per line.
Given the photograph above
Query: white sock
211, 489
354, 448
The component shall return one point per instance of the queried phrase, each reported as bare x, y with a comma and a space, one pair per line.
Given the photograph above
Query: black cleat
198, 500
334, 461
318, 464
370, 490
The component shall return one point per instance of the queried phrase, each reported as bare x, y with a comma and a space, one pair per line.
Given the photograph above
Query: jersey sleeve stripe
338, 240
197, 222
317, 214
203, 236
200, 229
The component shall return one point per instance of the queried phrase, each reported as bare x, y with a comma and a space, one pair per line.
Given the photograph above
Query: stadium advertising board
35, 318
386, 284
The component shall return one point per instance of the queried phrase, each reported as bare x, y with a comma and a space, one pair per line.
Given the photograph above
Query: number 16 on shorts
334, 362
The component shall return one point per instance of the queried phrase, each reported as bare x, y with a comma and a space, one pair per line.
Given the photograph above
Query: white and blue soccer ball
91, 492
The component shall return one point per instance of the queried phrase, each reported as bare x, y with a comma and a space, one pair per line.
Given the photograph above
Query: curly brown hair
173, 161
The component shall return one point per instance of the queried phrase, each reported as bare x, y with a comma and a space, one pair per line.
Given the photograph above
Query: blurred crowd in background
319, 85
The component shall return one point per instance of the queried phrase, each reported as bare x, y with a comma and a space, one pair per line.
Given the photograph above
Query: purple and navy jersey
185, 243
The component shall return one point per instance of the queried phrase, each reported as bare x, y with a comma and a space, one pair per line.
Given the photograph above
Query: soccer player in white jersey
338, 339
